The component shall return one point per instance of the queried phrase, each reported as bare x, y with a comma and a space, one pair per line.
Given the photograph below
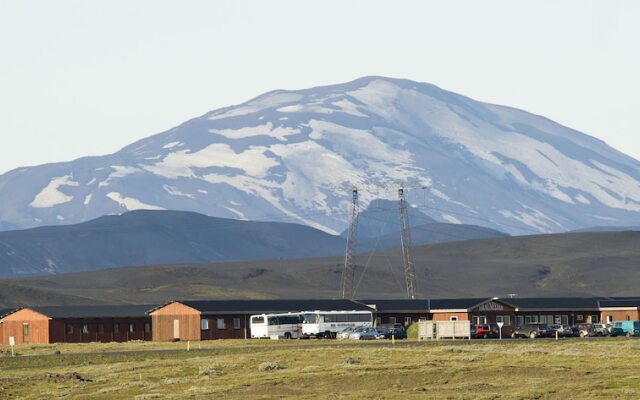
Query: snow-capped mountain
293, 155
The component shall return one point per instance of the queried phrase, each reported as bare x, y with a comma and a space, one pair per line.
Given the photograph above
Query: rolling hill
576, 264
148, 237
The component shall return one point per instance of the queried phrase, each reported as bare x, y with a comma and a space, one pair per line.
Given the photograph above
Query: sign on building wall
491, 306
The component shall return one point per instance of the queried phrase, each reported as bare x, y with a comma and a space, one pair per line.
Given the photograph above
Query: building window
564, 319
628, 318
479, 320
519, 320
453, 318
132, 327
407, 321
579, 317
204, 324
609, 318
392, 320
69, 329
147, 327
505, 319
220, 323
101, 328
530, 319
116, 328
85, 328
378, 321
236, 323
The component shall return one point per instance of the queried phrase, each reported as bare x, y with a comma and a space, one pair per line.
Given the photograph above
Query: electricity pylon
346, 288
405, 239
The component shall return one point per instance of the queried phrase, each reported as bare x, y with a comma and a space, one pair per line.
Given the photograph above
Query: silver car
345, 333
364, 334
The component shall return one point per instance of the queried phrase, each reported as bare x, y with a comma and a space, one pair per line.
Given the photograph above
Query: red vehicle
486, 331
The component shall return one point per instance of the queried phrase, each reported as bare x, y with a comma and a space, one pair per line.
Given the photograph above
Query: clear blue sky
84, 78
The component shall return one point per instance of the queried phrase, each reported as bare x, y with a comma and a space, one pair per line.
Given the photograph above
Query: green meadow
323, 369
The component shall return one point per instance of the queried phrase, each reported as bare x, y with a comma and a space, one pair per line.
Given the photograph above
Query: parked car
602, 329
395, 330
364, 334
486, 331
563, 330
585, 330
355, 331
344, 334
625, 328
531, 331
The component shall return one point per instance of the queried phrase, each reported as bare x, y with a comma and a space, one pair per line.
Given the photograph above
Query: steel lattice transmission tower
346, 288
405, 239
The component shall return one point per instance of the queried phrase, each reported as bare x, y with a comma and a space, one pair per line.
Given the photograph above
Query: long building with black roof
222, 319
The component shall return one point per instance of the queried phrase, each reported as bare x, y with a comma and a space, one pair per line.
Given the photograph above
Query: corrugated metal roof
271, 306
102, 311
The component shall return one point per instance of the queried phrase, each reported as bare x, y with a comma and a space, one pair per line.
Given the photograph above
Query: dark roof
423, 305
554, 303
457, 304
620, 303
102, 311
5, 311
270, 306
406, 305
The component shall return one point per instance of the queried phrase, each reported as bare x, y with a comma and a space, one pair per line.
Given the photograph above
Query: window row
116, 328
220, 324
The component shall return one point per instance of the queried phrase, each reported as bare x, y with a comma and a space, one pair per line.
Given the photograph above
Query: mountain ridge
294, 154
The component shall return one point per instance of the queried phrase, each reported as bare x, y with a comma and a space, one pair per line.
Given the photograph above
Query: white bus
287, 326
328, 323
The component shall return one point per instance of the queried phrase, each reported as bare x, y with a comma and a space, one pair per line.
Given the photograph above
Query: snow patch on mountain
279, 132
181, 163
50, 196
130, 204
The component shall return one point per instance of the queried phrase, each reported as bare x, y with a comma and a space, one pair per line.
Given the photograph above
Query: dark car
486, 331
395, 330
531, 331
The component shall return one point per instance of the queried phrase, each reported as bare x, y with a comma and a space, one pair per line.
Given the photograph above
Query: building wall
163, 323
84, 330
227, 329
446, 316
38, 327
571, 317
400, 317
621, 315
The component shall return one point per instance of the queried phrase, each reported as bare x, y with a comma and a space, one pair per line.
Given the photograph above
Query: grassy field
316, 369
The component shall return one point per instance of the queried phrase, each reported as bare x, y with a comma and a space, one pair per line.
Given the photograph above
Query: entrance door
25, 333
176, 329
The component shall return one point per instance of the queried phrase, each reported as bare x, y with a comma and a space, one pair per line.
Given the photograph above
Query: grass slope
235, 369
579, 264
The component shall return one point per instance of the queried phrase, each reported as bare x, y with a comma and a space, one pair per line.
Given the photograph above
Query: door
25, 333
176, 329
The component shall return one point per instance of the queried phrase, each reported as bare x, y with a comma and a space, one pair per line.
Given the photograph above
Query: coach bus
287, 326
326, 324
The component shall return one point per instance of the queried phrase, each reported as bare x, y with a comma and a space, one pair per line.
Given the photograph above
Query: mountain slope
154, 237
578, 264
148, 237
293, 155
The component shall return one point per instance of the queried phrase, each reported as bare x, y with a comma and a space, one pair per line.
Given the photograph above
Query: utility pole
405, 239
346, 288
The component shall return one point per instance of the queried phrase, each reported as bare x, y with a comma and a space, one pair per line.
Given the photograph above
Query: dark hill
155, 237
177, 237
577, 264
